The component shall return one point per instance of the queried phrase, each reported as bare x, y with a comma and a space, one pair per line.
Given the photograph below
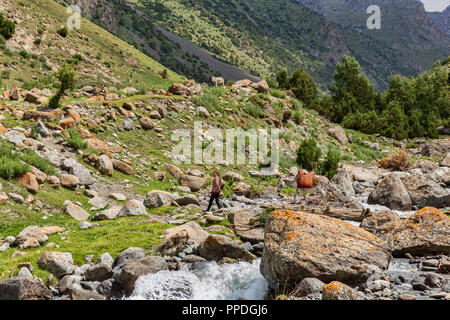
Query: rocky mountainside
96, 204
442, 20
405, 26
266, 36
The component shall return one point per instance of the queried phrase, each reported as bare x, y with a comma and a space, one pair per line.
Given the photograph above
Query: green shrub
12, 168
24, 53
67, 78
6, 74
308, 155
37, 41
298, 117
331, 164
7, 27
62, 32
75, 140
278, 93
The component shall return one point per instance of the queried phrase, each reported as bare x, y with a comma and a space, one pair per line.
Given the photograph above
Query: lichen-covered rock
425, 232
339, 291
300, 245
381, 223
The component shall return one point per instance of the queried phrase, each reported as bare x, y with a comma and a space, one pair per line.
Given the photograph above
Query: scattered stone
68, 181
339, 291
58, 263
29, 181
105, 165
128, 256
133, 208
216, 247
339, 134
118, 196
24, 289
76, 212
108, 214
158, 198
98, 203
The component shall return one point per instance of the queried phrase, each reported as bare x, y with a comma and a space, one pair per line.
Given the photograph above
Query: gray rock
216, 247
108, 214
128, 124
133, 208
24, 289
127, 256
98, 272
58, 263
105, 258
24, 272
82, 173
131, 272
308, 286
158, 198
343, 182
391, 192
98, 203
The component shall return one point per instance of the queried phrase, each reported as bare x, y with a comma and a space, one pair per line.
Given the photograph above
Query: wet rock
391, 192
58, 263
24, 289
131, 272
291, 249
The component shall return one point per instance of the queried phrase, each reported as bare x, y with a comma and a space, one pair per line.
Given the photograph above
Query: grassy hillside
264, 36
36, 50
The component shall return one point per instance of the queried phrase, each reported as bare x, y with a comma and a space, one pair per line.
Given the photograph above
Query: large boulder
122, 167
174, 170
195, 233
29, 181
187, 199
158, 198
391, 192
427, 231
58, 263
339, 134
192, 182
300, 245
83, 174
127, 277
425, 192
24, 289
127, 256
343, 182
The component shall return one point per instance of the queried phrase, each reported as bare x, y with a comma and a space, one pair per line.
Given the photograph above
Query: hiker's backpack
306, 180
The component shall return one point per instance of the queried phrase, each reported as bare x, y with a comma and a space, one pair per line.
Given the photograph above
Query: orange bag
306, 181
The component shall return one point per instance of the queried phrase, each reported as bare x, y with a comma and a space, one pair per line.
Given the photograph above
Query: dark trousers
214, 196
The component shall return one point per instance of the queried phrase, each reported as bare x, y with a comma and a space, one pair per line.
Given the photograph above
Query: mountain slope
265, 36
405, 26
36, 50
442, 20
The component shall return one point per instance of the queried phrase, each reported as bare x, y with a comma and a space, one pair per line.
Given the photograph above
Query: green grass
75, 139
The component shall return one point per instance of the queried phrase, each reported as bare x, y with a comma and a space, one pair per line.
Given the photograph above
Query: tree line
409, 108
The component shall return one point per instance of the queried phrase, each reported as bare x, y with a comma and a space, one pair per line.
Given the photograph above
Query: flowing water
208, 282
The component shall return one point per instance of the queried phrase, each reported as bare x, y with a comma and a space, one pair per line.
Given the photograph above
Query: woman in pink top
215, 192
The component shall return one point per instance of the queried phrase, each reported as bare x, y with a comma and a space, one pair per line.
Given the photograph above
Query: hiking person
215, 192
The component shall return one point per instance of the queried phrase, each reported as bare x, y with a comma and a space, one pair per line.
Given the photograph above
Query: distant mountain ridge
442, 20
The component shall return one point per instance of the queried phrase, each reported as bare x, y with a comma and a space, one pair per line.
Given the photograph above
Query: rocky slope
90, 222
442, 20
